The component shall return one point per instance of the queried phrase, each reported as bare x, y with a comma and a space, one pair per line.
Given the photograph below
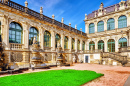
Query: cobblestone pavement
113, 75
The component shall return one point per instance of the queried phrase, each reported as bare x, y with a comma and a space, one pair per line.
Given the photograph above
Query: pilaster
105, 44
5, 32
95, 23
105, 25
70, 43
116, 44
76, 47
25, 35
116, 22
41, 38
53, 40
62, 41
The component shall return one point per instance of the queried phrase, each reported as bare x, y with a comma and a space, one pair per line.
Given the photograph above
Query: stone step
128, 64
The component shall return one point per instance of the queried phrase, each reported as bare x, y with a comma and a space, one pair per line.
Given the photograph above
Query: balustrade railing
39, 16
124, 49
92, 51
115, 56
14, 46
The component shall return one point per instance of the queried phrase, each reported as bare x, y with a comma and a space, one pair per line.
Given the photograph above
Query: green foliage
51, 78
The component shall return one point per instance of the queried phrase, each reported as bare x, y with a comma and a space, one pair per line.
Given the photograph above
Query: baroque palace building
107, 29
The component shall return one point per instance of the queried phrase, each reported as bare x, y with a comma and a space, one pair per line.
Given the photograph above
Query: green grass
50, 78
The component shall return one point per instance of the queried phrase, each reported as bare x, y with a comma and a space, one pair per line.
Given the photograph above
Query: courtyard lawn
51, 78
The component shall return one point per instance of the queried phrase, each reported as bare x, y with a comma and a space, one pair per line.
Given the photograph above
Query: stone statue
34, 40
59, 45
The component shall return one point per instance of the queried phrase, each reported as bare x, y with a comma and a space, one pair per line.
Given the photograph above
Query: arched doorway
57, 40
111, 45
101, 45
123, 42
92, 44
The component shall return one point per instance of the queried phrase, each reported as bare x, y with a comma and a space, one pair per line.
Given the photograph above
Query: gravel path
113, 75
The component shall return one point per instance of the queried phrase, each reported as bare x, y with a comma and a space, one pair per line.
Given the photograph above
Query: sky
73, 11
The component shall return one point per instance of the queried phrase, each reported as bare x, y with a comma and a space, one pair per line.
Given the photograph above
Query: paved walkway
113, 75
127, 83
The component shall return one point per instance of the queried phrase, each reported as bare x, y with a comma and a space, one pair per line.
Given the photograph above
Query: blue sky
72, 11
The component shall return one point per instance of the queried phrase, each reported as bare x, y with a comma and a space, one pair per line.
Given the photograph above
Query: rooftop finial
62, 21
86, 17
76, 26
80, 29
69, 24
41, 10
26, 3
53, 16
115, 8
101, 6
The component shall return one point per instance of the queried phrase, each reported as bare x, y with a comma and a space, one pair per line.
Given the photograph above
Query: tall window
66, 42
73, 44
47, 39
83, 46
101, 45
123, 42
91, 28
15, 33
110, 24
122, 22
100, 27
111, 45
78, 45
33, 32
0, 32
57, 40
91, 45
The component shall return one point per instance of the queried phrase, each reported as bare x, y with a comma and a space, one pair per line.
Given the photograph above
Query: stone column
96, 44
25, 35
62, 41
105, 25
41, 38
128, 19
76, 47
128, 38
5, 32
81, 42
86, 45
116, 22
70, 48
70, 43
53, 40
95, 23
87, 28
116, 44
105, 44
25, 42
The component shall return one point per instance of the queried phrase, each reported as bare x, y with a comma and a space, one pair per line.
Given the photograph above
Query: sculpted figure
34, 40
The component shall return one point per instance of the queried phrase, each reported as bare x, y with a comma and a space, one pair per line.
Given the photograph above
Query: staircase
115, 56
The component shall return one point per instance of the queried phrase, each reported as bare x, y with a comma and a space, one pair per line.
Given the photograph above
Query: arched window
100, 27
78, 45
91, 45
101, 45
83, 45
47, 39
111, 45
91, 28
66, 42
0, 33
33, 32
111, 24
57, 40
123, 42
122, 22
15, 33
73, 44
